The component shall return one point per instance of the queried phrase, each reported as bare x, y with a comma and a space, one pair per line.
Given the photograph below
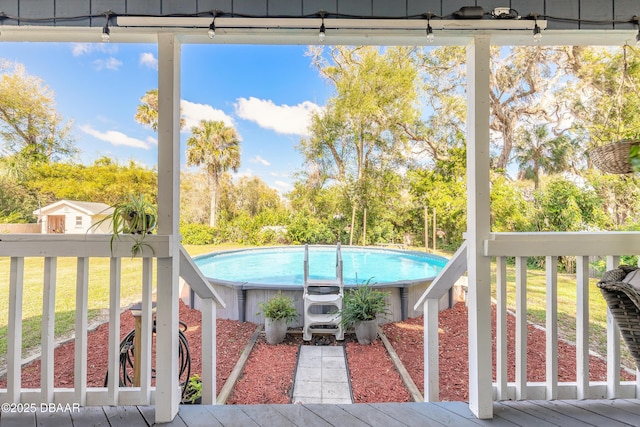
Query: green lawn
98, 298
567, 291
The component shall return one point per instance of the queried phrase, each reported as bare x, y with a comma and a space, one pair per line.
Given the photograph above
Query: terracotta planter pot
366, 331
275, 330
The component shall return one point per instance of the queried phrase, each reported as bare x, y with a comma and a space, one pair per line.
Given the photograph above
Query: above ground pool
244, 278
284, 265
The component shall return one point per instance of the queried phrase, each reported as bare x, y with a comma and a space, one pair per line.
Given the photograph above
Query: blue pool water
285, 265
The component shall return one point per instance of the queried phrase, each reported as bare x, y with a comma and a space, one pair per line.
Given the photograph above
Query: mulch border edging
404, 374
227, 388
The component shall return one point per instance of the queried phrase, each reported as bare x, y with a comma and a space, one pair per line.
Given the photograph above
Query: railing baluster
431, 353
552, 327
582, 327
48, 335
80, 346
14, 334
208, 331
501, 327
521, 328
114, 330
613, 344
146, 330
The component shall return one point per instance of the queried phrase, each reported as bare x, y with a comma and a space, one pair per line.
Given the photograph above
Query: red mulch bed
373, 376
268, 374
231, 335
407, 339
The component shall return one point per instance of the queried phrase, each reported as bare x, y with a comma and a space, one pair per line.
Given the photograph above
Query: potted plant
135, 217
278, 312
193, 390
360, 308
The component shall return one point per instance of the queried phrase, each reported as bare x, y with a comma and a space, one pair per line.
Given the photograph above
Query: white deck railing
551, 246
83, 248
500, 246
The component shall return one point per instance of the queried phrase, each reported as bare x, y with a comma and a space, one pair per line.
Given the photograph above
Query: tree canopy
30, 126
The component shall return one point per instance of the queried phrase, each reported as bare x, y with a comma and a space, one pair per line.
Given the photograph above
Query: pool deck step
321, 376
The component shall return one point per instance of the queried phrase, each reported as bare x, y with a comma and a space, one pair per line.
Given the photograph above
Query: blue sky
266, 92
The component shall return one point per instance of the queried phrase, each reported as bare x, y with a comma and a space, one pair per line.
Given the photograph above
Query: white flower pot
275, 330
366, 331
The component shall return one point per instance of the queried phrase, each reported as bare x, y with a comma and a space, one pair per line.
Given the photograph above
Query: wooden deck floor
610, 413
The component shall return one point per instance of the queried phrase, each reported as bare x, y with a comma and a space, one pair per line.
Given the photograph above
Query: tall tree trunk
214, 202
507, 138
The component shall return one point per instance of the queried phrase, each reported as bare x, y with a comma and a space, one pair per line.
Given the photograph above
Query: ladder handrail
339, 263
339, 267
306, 264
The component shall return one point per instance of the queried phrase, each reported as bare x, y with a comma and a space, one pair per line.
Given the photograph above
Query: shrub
197, 234
306, 229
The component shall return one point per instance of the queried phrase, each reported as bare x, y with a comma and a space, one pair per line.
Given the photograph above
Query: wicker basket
613, 158
624, 304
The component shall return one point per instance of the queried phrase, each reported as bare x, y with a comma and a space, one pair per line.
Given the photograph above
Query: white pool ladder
323, 301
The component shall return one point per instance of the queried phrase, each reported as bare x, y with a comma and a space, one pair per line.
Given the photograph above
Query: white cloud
151, 140
261, 160
110, 63
148, 60
245, 173
285, 119
79, 49
193, 113
279, 174
115, 138
283, 186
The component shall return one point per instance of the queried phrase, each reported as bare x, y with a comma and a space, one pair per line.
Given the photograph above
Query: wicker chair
624, 303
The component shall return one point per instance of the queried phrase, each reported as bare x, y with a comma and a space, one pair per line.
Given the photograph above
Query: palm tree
536, 152
147, 111
217, 148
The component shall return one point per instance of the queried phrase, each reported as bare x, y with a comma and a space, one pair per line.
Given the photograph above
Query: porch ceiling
367, 32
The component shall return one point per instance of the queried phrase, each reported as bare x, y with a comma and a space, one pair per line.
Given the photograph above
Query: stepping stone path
321, 376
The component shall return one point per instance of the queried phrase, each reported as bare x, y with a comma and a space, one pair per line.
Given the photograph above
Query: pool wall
242, 299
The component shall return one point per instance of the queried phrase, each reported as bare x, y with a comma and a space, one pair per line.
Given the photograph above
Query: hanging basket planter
614, 157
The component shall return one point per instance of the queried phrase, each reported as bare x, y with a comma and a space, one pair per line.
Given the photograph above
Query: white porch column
478, 227
167, 382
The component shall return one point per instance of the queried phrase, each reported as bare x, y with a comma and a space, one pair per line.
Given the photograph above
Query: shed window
78, 222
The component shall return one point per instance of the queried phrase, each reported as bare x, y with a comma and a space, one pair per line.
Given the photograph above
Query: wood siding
572, 10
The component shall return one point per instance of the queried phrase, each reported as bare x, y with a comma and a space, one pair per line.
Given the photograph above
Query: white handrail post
551, 266
47, 339
501, 327
146, 329
582, 327
521, 328
613, 343
80, 343
113, 385
14, 334
431, 353
208, 309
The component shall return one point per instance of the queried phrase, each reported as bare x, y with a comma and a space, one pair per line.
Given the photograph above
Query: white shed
74, 217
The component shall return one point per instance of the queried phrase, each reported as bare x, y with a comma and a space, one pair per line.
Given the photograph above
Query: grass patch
65, 302
567, 294
66, 273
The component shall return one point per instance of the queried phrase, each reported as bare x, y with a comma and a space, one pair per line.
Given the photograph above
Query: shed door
55, 224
